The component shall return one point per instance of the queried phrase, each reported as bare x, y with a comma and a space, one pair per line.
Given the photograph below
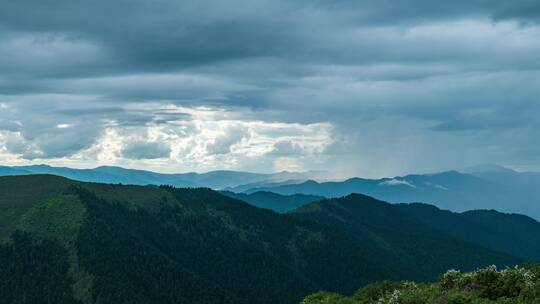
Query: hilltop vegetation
517, 285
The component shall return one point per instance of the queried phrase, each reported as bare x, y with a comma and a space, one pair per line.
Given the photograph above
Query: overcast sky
356, 87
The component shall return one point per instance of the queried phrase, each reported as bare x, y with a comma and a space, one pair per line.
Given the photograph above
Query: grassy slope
18, 194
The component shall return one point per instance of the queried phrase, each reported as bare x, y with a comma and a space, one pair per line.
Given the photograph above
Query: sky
357, 88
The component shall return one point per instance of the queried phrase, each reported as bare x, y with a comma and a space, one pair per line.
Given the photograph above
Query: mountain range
501, 189
104, 243
480, 187
115, 175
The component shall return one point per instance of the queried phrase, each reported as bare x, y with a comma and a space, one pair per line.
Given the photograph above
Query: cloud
286, 148
146, 150
369, 87
200, 139
396, 182
222, 143
287, 164
9, 125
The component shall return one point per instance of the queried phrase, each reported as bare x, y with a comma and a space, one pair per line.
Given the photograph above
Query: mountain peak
486, 168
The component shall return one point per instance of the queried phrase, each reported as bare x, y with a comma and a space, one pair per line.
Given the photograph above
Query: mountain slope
273, 201
133, 244
522, 187
193, 245
514, 234
403, 241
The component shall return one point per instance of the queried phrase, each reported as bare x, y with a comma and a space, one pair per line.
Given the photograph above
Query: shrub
375, 291
450, 279
516, 285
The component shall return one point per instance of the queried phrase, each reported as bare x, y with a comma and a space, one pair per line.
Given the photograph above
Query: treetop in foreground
513, 285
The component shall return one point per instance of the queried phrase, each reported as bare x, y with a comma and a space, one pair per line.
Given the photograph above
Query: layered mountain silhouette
508, 191
109, 174
91, 242
481, 187
515, 234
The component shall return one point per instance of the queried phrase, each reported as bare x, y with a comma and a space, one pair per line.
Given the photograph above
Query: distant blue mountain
262, 184
114, 175
5, 171
506, 191
277, 202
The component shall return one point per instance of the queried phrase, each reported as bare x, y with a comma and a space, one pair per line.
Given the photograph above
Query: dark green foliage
294, 256
133, 244
410, 248
375, 291
492, 284
516, 285
122, 249
18, 194
514, 234
324, 297
205, 248
34, 272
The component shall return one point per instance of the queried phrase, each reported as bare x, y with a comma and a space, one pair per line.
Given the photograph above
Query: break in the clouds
357, 87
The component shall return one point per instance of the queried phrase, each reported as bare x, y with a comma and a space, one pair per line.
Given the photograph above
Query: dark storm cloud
439, 67
146, 150
136, 36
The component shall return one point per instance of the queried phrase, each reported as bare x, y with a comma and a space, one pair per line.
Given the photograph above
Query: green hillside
71, 242
405, 242
514, 234
132, 244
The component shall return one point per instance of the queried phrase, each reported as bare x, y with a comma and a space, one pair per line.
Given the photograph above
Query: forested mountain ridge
401, 238
99, 243
133, 244
515, 234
